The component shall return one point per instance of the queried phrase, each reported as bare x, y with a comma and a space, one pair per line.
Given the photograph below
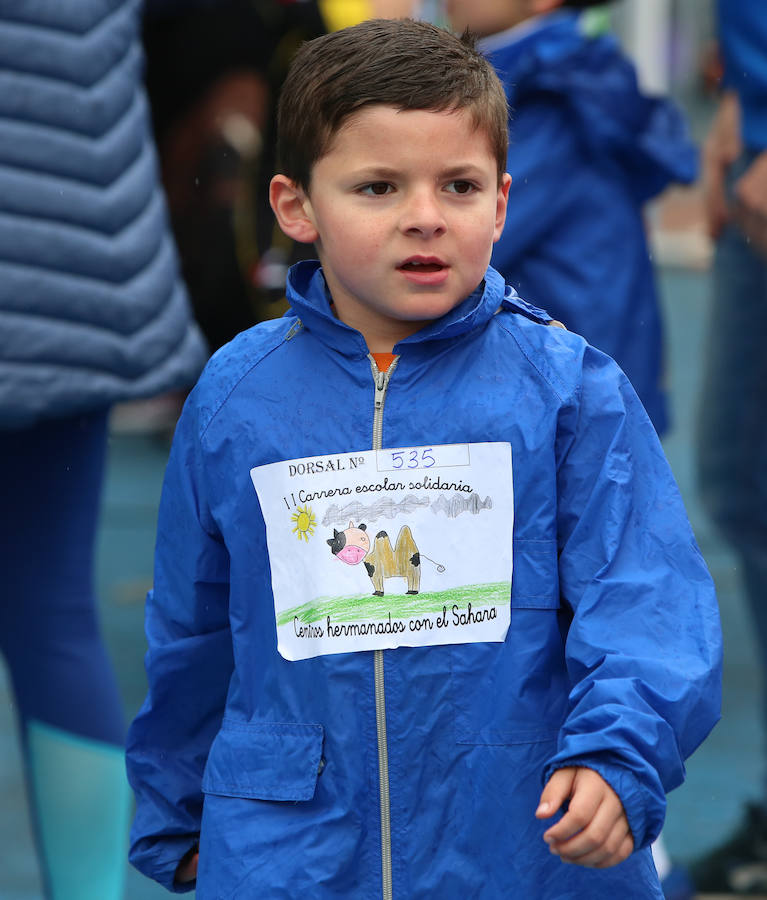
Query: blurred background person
92, 311
214, 70
587, 150
732, 439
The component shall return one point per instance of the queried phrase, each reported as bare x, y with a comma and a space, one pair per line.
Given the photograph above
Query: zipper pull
380, 386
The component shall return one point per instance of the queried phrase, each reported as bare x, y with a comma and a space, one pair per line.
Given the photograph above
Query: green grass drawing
401, 606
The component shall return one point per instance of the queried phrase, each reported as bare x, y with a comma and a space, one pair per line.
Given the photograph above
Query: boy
333, 659
588, 150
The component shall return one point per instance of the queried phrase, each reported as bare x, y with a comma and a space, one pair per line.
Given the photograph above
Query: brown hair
393, 62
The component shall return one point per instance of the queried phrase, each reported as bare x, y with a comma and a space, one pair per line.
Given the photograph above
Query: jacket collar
309, 299
525, 60
517, 33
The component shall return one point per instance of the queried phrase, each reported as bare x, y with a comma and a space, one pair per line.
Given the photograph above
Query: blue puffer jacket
586, 151
612, 659
92, 309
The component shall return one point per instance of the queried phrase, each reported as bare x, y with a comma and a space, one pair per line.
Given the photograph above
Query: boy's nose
423, 215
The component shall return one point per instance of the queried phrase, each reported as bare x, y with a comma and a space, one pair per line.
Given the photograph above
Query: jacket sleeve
188, 663
643, 648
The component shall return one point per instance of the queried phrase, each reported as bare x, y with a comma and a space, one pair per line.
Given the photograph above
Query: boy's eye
460, 187
377, 188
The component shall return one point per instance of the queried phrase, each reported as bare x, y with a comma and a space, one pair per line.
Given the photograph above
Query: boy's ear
292, 208
501, 204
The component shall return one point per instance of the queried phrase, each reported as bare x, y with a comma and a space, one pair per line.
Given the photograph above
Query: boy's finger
599, 838
624, 851
578, 817
585, 794
604, 857
557, 790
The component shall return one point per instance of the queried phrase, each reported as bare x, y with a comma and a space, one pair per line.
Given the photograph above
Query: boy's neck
382, 340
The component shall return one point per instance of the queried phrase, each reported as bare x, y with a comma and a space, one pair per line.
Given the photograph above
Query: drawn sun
304, 521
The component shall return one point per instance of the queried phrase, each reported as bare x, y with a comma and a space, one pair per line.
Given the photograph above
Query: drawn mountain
460, 503
381, 508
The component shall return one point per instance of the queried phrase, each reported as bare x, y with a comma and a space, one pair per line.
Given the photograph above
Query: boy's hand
187, 868
594, 831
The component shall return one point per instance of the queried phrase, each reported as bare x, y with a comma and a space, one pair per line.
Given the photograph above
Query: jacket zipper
381, 383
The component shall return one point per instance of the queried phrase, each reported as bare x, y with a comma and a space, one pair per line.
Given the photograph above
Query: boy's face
406, 207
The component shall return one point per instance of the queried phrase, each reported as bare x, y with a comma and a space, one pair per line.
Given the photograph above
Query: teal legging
69, 708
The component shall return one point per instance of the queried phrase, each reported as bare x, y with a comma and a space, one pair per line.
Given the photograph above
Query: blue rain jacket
612, 660
587, 149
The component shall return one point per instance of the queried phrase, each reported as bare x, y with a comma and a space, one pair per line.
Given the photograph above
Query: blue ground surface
724, 772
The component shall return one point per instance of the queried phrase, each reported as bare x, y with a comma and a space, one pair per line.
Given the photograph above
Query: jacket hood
309, 299
647, 136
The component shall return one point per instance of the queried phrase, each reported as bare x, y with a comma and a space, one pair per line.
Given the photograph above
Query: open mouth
415, 266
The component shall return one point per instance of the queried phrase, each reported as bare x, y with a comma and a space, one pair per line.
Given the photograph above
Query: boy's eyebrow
382, 172
462, 170
374, 173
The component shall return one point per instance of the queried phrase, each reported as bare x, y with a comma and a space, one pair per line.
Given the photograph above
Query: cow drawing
352, 546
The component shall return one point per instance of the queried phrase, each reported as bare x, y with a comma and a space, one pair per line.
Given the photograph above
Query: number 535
413, 459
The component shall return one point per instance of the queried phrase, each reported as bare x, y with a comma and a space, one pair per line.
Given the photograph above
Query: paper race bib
400, 547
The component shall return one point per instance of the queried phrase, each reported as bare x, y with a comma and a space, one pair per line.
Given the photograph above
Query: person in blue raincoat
587, 150
303, 739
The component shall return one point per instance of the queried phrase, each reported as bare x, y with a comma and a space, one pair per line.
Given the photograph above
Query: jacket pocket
516, 692
259, 784
535, 577
264, 761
